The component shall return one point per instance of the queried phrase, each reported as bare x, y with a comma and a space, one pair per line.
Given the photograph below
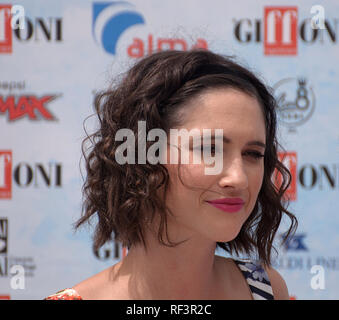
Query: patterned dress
257, 279
65, 294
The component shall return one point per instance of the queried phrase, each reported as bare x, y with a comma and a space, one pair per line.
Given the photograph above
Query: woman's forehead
225, 108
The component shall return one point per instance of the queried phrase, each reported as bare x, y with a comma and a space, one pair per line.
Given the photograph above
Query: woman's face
242, 121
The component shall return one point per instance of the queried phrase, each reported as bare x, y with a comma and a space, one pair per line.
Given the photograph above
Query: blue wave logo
110, 20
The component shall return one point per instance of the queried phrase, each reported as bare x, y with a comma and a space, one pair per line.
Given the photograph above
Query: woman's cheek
255, 185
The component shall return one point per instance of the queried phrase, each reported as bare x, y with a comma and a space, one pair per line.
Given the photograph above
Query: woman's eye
256, 155
213, 150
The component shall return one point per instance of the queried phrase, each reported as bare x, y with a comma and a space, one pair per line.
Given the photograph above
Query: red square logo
280, 36
5, 28
5, 174
289, 159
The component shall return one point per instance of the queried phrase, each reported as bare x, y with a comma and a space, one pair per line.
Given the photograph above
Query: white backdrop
50, 71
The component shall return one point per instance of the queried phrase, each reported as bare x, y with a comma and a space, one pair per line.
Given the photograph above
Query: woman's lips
228, 205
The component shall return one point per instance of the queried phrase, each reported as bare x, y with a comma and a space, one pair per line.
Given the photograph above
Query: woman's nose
234, 175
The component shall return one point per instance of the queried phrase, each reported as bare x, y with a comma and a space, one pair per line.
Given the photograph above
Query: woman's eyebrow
228, 140
249, 143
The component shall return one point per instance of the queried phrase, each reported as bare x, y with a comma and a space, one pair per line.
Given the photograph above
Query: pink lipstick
228, 204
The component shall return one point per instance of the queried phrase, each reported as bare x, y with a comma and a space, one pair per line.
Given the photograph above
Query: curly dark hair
155, 89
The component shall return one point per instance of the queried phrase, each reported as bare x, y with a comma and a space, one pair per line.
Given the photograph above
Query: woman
172, 216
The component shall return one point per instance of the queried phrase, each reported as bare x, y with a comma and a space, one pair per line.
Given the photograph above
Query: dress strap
257, 279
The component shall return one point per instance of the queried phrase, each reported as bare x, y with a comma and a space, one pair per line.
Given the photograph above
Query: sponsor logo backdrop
55, 56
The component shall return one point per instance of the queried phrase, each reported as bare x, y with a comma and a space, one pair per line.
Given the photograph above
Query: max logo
27, 105
110, 20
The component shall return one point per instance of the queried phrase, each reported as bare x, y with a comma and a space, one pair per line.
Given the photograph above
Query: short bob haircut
124, 197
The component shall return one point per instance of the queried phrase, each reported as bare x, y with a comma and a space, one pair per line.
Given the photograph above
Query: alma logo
26, 105
137, 48
111, 19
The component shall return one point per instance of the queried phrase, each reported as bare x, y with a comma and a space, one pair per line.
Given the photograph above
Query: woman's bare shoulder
278, 284
96, 286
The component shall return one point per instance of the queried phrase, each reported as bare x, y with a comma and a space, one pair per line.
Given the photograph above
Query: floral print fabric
66, 294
